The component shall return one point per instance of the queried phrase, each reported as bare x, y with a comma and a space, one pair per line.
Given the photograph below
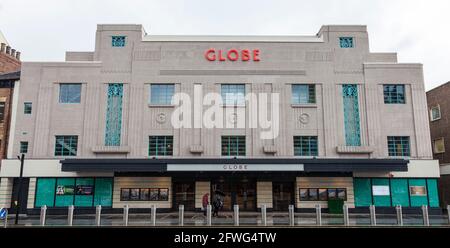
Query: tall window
66, 145
2, 112
233, 145
346, 42
114, 115
23, 146
160, 146
394, 93
27, 107
435, 113
305, 146
351, 115
398, 146
69, 93
233, 94
161, 94
303, 93
118, 41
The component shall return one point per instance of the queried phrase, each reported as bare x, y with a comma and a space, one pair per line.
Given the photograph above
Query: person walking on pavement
205, 203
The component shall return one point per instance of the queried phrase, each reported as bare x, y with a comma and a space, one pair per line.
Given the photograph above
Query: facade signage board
235, 167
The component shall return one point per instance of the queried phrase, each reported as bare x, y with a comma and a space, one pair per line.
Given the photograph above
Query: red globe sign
232, 55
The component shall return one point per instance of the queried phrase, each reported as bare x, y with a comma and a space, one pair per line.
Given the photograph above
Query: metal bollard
291, 215
43, 215
426, 220
373, 215
448, 213
126, 210
399, 211
181, 215
236, 215
264, 214
208, 215
153, 215
98, 215
70, 215
346, 217
318, 215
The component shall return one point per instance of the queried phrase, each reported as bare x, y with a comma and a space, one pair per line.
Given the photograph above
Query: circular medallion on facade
304, 118
161, 118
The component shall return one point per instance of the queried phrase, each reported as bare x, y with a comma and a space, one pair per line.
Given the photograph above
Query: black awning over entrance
160, 165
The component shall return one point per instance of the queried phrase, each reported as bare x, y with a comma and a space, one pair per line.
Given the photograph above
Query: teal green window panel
23, 146
400, 192
118, 41
398, 146
363, 192
160, 146
394, 93
433, 195
233, 146
27, 108
346, 42
65, 190
418, 200
378, 200
305, 146
66, 145
83, 187
351, 115
103, 192
45, 192
114, 115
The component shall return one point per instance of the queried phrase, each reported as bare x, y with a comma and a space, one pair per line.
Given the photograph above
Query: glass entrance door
236, 191
184, 194
283, 195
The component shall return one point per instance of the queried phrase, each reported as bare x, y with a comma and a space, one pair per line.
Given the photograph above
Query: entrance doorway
23, 195
283, 195
237, 191
184, 194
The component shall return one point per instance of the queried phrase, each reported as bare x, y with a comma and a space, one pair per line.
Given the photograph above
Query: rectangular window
23, 146
439, 146
398, 146
303, 94
346, 42
435, 113
233, 94
118, 41
66, 145
394, 93
160, 146
27, 107
351, 115
305, 146
2, 112
144, 194
322, 194
69, 93
233, 145
113, 127
161, 94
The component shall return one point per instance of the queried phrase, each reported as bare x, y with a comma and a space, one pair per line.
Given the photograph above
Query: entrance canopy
234, 164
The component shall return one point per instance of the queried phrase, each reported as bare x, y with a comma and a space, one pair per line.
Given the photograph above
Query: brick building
439, 108
9, 74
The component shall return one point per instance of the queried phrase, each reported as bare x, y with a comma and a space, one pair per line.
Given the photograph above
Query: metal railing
348, 217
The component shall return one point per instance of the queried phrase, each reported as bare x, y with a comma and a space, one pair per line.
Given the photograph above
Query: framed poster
417, 190
145, 195
381, 190
65, 190
163, 194
84, 189
124, 194
154, 194
134, 194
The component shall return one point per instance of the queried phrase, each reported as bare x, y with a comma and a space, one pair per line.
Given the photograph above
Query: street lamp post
19, 189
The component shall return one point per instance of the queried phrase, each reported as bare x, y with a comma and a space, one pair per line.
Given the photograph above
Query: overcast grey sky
417, 29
